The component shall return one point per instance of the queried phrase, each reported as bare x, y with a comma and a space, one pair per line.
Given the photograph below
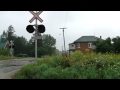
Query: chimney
100, 37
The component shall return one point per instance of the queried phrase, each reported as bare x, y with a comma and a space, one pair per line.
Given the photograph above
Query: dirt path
9, 67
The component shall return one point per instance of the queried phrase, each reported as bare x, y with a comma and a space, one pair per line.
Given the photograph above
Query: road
9, 67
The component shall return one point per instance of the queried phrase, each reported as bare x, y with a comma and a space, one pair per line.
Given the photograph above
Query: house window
89, 45
78, 45
72, 45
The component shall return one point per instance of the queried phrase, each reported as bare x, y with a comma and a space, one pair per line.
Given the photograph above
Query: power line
66, 18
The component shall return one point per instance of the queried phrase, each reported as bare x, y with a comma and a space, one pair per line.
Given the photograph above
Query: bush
52, 73
4, 52
77, 66
77, 56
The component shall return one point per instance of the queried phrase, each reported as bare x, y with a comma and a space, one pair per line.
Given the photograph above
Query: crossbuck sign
36, 16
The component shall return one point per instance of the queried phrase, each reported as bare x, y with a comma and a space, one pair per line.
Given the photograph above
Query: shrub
76, 66
4, 52
77, 56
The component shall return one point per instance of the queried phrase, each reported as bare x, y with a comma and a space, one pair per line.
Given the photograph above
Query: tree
109, 44
10, 32
20, 45
48, 43
116, 44
45, 46
104, 46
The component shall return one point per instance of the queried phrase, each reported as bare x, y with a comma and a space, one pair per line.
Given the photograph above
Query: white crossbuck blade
36, 16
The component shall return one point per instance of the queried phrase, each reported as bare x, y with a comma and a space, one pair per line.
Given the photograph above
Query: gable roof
86, 39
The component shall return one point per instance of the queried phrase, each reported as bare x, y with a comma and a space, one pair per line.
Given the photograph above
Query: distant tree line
109, 45
45, 46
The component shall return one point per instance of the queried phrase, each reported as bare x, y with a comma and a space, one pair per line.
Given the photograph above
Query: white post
11, 49
36, 39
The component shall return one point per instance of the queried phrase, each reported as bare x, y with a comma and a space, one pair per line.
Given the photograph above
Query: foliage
108, 45
76, 66
46, 46
20, 45
116, 44
4, 51
48, 41
103, 46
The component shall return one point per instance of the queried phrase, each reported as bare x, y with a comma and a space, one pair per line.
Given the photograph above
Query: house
3, 40
83, 43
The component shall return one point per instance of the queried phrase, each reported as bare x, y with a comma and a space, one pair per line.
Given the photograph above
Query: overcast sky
78, 23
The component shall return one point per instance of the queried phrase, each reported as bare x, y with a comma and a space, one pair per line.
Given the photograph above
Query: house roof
86, 39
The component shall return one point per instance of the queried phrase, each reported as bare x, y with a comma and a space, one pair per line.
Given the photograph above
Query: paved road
9, 67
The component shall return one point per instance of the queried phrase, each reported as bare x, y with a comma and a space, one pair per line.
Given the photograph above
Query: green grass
3, 57
76, 66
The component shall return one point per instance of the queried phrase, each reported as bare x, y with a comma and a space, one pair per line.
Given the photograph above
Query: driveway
9, 67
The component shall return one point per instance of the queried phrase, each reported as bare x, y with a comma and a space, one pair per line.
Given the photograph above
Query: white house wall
71, 46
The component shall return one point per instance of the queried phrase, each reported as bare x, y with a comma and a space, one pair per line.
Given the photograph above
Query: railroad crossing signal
36, 16
31, 29
39, 28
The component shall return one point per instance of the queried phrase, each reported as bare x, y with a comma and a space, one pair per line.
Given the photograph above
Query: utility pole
64, 38
62, 50
36, 32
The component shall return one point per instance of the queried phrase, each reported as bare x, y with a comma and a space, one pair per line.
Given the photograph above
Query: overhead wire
66, 19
